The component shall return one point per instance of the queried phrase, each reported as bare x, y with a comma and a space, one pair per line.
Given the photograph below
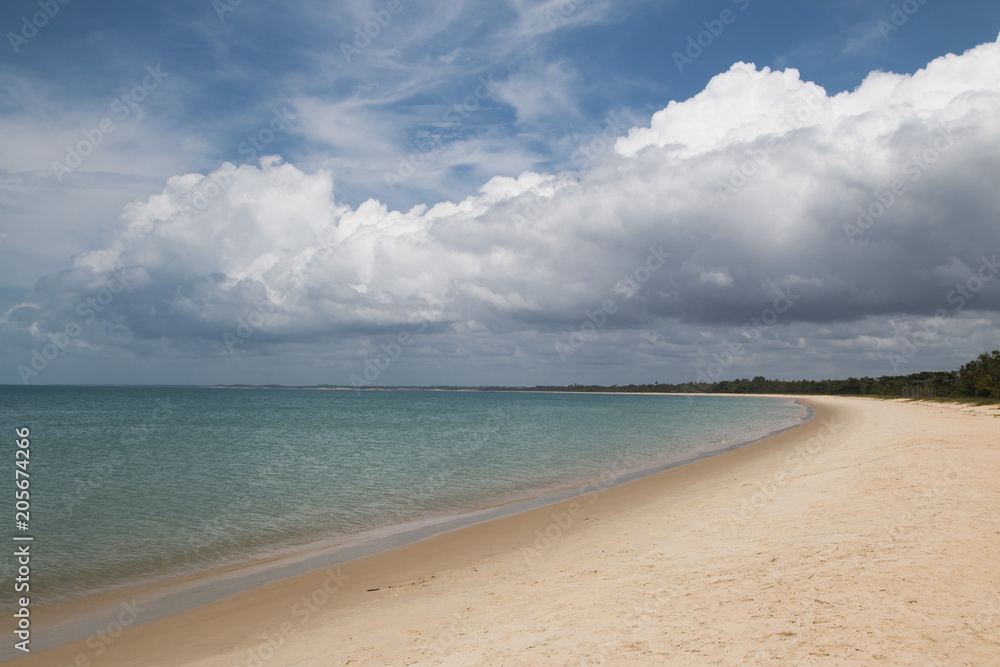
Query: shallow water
133, 484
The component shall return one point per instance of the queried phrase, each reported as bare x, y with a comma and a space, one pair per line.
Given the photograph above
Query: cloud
539, 93
717, 278
362, 116
854, 213
539, 18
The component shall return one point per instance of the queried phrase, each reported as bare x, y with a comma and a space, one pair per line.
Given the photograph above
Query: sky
496, 193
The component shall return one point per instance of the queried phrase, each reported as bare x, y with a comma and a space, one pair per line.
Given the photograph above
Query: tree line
978, 378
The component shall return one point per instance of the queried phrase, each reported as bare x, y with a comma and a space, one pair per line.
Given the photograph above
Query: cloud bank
863, 211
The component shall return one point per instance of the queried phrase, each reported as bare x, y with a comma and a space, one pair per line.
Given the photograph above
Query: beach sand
869, 535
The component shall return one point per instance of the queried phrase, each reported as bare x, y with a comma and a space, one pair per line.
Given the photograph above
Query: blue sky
406, 120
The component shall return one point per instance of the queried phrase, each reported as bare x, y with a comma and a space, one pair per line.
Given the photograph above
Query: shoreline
866, 535
67, 621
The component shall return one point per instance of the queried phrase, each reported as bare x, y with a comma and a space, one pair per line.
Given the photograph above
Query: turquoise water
132, 484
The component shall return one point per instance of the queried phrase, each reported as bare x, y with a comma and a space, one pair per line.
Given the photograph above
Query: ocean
130, 485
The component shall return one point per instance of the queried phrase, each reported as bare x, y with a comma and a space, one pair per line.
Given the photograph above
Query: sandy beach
869, 535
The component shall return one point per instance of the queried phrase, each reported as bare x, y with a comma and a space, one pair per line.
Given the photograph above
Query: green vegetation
981, 376
979, 380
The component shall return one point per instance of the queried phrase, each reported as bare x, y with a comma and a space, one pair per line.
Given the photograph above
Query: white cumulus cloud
761, 173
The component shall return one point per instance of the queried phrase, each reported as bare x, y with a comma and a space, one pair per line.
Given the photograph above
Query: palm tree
987, 377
